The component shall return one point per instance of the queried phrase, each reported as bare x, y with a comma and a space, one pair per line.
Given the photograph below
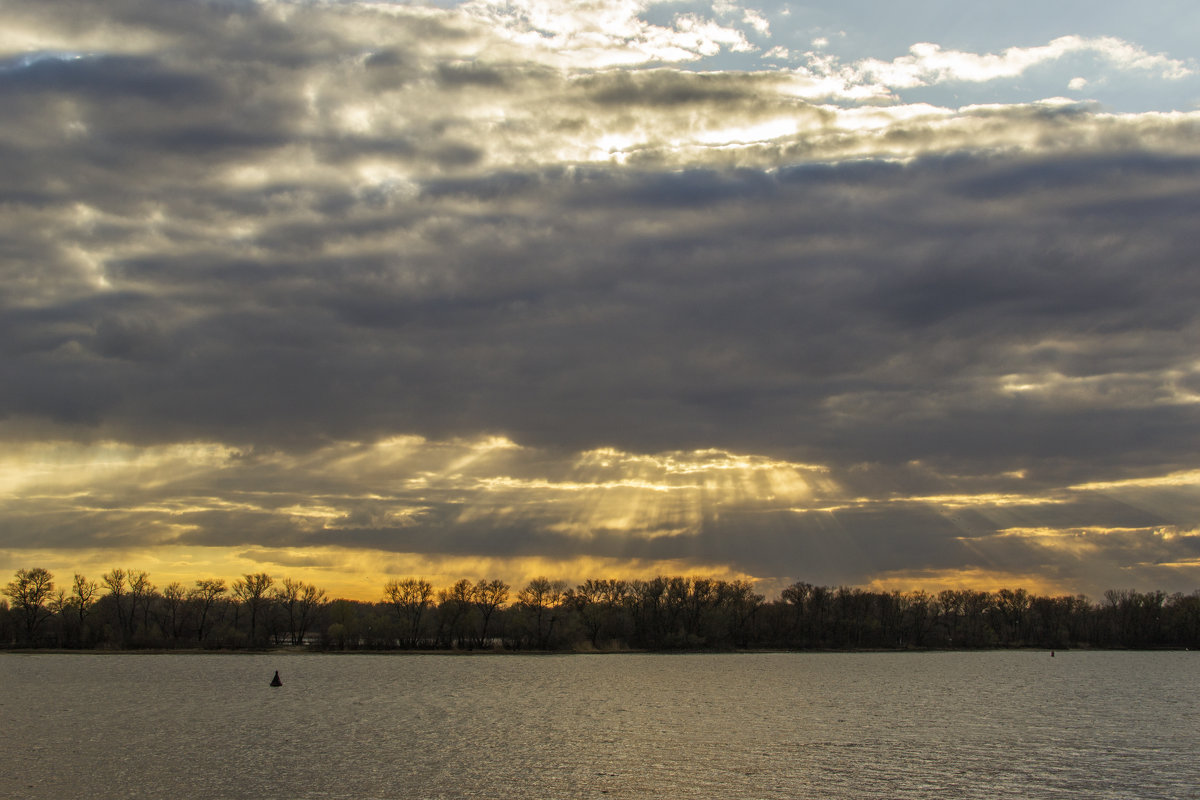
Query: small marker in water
275, 681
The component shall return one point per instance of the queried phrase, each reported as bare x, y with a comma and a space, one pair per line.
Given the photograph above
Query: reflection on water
886, 725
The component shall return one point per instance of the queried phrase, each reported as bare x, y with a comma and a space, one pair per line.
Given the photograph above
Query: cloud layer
499, 288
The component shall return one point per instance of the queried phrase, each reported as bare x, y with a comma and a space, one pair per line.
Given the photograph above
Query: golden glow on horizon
157, 497
974, 578
156, 506
342, 573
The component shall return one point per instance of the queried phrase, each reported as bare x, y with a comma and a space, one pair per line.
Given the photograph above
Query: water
803, 725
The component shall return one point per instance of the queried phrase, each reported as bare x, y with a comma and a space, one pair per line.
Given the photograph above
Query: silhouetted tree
489, 596
299, 603
7, 628
662, 613
409, 598
141, 593
114, 579
539, 602
204, 598
739, 604
597, 603
916, 620
646, 601
1184, 625
253, 591
174, 610
455, 606
30, 591
84, 594
1011, 620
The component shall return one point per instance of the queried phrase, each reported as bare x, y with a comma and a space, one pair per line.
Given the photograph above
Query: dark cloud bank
864, 312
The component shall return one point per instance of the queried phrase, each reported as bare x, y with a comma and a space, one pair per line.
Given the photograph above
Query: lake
1012, 724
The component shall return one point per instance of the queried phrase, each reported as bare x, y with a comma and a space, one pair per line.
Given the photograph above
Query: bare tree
541, 600
29, 590
141, 590
253, 591
114, 579
647, 599
454, 606
740, 603
205, 597
135, 586
84, 594
584, 599
300, 602
174, 607
409, 598
489, 596
59, 606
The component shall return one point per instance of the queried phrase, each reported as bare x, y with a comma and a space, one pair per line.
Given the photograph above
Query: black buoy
275, 681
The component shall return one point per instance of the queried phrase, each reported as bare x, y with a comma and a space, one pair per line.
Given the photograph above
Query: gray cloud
726, 304
280, 232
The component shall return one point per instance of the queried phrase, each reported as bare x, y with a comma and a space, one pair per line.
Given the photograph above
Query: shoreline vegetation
288, 651
126, 612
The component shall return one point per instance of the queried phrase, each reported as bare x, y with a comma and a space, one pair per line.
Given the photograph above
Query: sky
891, 295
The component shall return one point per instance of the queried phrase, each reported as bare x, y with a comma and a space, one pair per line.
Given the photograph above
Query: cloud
756, 20
586, 34
929, 64
309, 278
491, 504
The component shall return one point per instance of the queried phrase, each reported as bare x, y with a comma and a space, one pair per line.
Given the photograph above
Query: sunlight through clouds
590, 35
568, 286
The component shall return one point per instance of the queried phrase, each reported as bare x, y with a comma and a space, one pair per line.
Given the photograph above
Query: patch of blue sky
868, 28
789, 35
26, 60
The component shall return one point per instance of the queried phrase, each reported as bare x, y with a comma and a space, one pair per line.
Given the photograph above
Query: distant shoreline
292, 651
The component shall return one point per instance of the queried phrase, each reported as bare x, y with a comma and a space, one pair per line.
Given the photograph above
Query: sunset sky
898, 295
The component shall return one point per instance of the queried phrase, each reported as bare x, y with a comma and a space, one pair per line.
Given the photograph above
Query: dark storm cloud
871, 315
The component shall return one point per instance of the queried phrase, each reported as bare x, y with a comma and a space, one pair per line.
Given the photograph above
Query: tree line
125, 610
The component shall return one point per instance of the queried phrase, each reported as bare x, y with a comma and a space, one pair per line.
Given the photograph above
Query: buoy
275, 681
